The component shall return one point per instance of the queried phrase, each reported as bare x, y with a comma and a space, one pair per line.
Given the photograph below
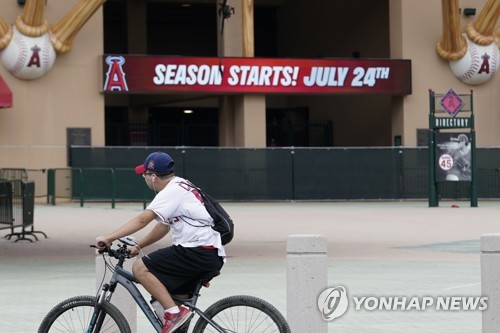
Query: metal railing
239, 174
6, 213
38, 176
17, 197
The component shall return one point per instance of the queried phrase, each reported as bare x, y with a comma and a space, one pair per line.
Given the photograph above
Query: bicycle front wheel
74, 315
243, 314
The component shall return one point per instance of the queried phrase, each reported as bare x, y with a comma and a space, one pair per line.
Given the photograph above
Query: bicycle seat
193, 295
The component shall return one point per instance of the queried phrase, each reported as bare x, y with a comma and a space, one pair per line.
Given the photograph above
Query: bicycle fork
98, 315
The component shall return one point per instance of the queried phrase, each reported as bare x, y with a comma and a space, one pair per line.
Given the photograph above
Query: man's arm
158, 232
132, 226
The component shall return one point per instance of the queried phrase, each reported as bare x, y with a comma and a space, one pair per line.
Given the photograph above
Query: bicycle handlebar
120, 253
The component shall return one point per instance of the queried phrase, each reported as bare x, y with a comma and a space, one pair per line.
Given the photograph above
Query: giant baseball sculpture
474, 56
30, 46
497, 37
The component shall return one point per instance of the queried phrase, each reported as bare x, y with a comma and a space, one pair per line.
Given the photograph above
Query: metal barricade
22, 206
6, 214
37, 175
13, 174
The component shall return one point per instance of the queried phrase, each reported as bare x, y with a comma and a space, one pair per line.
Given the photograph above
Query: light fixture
188, 111
469, 11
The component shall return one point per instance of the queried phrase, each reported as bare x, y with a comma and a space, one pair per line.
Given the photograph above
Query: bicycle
94, 314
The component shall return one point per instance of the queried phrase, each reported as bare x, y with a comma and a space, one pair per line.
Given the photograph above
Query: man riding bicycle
196, 247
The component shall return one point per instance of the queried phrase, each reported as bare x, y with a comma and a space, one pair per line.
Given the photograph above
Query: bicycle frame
125, 278
128, 280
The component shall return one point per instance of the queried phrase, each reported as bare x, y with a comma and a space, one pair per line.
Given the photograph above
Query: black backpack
223, 223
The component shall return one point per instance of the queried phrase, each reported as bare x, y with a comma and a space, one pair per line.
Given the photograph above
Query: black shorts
179, 268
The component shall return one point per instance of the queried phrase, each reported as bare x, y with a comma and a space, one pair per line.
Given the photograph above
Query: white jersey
181, 207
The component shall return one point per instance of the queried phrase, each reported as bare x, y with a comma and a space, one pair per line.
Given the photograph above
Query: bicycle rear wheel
243, 314
74, 315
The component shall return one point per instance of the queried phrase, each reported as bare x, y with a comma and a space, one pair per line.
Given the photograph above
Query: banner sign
453, 152
458, 122
153, 74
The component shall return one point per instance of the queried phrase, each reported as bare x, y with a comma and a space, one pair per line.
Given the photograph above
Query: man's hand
99, 241
134, 250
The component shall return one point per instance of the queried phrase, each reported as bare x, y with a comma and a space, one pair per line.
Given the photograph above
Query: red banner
5, 95
150, 74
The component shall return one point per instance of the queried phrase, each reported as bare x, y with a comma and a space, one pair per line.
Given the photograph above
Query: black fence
6, 208
240, 174
38, 176
17, 205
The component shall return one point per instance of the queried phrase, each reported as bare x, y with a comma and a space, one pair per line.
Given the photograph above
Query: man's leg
152, 284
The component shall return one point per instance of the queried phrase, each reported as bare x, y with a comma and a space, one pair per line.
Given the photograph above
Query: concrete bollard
307, 277
121, 297
490, 281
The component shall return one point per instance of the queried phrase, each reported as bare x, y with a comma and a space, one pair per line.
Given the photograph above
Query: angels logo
333, 303
151, 165
115, 77
35, 57
485, 67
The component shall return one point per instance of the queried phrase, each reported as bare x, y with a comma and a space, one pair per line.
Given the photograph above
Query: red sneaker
175, 320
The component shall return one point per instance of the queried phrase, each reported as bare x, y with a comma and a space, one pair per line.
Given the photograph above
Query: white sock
174, 309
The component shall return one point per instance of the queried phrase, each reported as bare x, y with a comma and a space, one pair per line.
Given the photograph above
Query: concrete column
490, 281
121, 298
226, 121
307, 277
250, 121
242, 117
248, 36
229, 41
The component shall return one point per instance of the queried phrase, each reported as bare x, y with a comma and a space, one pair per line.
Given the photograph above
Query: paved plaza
399, 248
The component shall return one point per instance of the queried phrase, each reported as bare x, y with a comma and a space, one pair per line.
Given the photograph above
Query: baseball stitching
23, 53
474, 64
494, 62
46, 54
